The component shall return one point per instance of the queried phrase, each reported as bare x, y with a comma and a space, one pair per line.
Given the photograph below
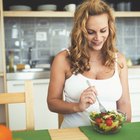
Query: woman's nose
97, 36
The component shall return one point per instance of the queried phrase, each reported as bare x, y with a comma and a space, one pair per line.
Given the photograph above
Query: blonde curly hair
79, 58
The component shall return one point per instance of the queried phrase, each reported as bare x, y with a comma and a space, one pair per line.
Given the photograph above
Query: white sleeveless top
109, 91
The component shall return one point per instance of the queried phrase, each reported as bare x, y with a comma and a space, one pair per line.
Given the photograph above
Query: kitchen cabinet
60, 9
134, 88
2, 50
34, 4
134, 5
2, 63
44, 119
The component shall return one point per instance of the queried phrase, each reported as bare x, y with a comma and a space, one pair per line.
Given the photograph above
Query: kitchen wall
48, 36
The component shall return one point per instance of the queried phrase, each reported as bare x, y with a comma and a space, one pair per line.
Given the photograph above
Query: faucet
31, 62
30, 56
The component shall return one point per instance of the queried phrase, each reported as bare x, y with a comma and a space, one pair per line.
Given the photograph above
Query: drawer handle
40, 83
18, 84
33, 84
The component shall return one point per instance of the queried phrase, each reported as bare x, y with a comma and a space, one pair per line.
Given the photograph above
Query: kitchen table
52, 134
130, 131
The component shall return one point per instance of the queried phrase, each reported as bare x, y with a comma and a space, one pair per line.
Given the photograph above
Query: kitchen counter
29, 75
45, 74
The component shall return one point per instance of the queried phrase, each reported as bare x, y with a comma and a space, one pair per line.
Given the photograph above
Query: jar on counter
11, 61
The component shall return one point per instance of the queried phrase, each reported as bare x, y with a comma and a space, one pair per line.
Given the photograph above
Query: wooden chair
22, 97
60, 119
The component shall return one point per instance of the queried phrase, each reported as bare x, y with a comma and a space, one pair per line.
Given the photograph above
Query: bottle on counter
129, 62
11, 61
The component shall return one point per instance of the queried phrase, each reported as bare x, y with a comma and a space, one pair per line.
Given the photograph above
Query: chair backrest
22, 97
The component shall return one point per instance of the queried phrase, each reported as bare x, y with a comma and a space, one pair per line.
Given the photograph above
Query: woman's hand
87, 98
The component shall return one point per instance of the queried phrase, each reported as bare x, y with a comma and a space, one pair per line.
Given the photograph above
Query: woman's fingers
92, 89
88, 97
91, 97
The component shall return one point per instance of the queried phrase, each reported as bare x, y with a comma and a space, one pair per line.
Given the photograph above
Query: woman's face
98, 31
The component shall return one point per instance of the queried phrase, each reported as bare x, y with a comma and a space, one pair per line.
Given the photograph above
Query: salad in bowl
107, 123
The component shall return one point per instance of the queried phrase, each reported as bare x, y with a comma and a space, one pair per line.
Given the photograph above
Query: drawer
135, 103
134, 86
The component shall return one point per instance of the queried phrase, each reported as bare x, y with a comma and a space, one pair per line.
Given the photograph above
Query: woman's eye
103, 31
90, 32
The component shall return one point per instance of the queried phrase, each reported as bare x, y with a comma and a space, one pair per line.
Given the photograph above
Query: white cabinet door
134, 87
16, 113
44, 119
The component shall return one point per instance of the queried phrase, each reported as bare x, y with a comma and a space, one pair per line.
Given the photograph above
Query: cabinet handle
134, 77
33, 84
40, 83
18, 84
134, 92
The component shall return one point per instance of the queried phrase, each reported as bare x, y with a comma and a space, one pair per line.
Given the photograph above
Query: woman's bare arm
124, 104
59, 69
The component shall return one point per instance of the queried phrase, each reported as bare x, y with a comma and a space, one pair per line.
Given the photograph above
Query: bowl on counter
47, 7
107, 123
20, 8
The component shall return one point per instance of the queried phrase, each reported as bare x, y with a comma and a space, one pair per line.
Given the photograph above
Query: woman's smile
97, 43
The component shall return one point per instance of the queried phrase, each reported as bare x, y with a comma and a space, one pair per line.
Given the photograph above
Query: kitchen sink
34, 70
27, 74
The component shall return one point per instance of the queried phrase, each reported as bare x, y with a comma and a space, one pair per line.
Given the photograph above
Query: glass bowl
107, 123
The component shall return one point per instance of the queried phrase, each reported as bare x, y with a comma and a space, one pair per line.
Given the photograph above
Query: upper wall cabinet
117, 4
35, 3
126, 8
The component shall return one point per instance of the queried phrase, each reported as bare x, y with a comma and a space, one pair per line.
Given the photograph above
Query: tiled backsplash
128, 37
48, 36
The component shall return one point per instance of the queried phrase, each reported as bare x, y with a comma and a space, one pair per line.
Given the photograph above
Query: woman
92, 57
